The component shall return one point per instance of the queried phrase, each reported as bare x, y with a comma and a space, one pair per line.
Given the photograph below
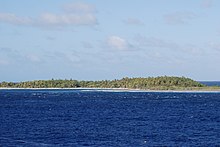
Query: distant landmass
150, 83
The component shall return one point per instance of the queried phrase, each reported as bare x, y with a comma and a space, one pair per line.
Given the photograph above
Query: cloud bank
74, 14
118, 43
155, 42
13, 19
133, 21
66, 19
179, 18
206, 3
79, 8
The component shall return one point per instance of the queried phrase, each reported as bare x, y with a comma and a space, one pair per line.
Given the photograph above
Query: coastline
119, 90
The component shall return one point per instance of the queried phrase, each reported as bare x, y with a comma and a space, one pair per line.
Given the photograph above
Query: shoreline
117, 90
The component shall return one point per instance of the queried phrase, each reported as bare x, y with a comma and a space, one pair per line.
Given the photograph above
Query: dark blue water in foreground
90, 118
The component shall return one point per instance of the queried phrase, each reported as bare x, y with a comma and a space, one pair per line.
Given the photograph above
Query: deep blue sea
56, 118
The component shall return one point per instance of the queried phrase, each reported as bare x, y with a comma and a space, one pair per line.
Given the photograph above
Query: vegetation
151, 83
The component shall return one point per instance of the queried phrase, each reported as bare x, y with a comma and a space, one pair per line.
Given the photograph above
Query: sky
97, 39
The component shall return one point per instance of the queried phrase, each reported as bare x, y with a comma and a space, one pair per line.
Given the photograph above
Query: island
149, 83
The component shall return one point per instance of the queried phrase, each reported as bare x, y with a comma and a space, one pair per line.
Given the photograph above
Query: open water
56, 118
211, 83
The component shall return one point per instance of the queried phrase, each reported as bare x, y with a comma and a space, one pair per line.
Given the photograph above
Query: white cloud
155, 42
80, 14
3, 62
13, 19
15, 56
152, 44
80, 8
179, 17
206, 3
86, 44
117, 43
33, 58
73, 57
133, 21
215, 46
69, 57
67, 19
50, 38
10, 53
192, 49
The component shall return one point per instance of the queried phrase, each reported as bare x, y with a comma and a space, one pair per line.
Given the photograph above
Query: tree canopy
154, 83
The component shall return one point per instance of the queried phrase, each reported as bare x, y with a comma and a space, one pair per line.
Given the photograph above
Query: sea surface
57, 118
211, 83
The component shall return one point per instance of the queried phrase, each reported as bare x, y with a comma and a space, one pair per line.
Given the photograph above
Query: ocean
210, 83
57, 118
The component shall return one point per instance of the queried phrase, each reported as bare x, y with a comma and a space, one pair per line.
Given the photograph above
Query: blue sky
96, 39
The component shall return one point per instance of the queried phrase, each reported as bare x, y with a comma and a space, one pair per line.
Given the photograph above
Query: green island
150, 83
